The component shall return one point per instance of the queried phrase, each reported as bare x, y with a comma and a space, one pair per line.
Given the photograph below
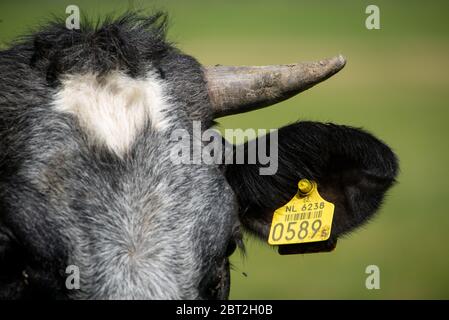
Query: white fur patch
112, 109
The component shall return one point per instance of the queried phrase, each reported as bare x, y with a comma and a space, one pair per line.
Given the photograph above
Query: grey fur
138, 226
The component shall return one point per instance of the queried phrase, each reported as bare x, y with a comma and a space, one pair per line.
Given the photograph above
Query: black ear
352, 169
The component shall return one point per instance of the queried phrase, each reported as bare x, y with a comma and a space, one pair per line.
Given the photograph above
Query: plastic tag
307, 217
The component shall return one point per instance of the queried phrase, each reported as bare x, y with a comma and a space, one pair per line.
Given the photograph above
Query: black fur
352, 168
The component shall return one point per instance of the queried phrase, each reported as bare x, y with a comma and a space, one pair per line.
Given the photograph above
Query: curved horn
239, 89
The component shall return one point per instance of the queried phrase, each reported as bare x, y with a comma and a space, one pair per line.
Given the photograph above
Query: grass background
395, 85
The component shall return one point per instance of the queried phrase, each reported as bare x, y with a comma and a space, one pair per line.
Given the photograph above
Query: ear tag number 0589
307, 217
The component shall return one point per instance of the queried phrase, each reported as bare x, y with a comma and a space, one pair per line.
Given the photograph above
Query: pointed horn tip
330, 66
337, 62
341, 60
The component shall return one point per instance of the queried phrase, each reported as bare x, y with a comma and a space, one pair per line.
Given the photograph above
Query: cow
86, 123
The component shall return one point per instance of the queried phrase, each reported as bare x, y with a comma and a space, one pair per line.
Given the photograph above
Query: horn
234, 89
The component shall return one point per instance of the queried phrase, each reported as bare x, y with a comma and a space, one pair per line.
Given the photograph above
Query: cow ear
352, 169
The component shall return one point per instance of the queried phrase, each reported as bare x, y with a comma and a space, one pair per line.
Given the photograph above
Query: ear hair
352, 168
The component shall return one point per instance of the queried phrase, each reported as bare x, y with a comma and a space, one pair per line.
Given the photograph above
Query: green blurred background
395, 85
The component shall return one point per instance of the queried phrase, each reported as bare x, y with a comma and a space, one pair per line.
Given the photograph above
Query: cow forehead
137, 225
113, 108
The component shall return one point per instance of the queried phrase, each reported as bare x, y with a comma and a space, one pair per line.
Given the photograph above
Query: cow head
88, 180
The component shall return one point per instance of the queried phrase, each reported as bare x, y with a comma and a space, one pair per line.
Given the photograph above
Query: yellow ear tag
307, 217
